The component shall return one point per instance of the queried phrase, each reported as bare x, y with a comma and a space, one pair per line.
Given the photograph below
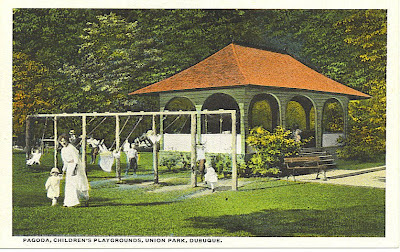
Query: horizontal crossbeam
141, 113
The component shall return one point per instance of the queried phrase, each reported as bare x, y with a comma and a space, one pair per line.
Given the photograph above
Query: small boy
53, 185
132, 156
211, 176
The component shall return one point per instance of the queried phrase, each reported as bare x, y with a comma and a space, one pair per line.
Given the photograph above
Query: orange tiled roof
237, 65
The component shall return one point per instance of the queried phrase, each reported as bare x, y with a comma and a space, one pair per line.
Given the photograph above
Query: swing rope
44, 131
134, 127
137, 123
187, 118
97, 126
221, 120
91, 120
123, 126
172, 122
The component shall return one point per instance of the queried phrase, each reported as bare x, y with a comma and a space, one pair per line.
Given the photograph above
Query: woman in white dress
76, 182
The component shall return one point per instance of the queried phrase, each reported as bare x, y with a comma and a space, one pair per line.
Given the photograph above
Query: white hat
54, 170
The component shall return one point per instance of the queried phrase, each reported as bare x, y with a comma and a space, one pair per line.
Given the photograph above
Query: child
201, 158
211, 176
53, 185
35, 159
132, 156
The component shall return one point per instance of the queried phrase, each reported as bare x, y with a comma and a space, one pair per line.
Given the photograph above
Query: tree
113, 59
31, 90
188, 36
367, 31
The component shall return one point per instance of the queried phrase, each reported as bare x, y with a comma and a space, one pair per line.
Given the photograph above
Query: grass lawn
261, 207
356, 165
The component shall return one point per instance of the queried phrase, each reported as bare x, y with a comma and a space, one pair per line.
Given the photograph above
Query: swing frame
117, 115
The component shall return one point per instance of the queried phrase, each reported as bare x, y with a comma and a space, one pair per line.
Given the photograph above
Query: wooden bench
307, 162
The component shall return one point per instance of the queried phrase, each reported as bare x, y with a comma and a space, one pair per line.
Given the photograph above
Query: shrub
176, 161
270, 149
221, 163
168, 162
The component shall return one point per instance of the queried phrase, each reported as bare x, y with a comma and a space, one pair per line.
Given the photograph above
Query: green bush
176, 161
270, 150
221, 163
169, 163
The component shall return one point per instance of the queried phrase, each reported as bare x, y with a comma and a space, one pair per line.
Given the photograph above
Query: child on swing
53, 185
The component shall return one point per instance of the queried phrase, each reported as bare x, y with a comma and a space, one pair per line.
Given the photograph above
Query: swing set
151, 134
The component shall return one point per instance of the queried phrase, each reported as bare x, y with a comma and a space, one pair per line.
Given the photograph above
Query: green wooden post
284, 103
346, 118
242, 128
318, 125
234, 165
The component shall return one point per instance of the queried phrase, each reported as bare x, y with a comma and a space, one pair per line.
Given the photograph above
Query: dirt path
370, 177
222, 185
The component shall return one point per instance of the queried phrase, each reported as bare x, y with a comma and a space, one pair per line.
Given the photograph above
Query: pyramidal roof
236, 65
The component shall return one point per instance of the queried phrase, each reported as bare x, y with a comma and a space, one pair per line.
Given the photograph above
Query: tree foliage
31, 89
333, 117
367, 31
90, 59
112, 58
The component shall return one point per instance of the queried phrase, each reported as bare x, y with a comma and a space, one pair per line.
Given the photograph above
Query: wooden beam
117, 144
193, 150
155, 156
141, 113
27, 137
83, 142
55, 141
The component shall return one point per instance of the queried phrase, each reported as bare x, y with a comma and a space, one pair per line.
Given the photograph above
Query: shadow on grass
136, 181
105, 202
339, 222
283, 184
100, 177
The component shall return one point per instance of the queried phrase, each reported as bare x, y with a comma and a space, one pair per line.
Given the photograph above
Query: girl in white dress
53, 185
211, 176
76, 182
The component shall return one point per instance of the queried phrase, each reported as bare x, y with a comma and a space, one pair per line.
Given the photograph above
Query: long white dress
53, 186
76, 186
211, 177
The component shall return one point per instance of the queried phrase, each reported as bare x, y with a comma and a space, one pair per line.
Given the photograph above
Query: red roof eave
237, 65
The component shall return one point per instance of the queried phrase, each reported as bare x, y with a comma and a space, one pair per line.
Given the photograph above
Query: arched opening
300, 114
263, 111
332, 122
217, 124
178, 124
